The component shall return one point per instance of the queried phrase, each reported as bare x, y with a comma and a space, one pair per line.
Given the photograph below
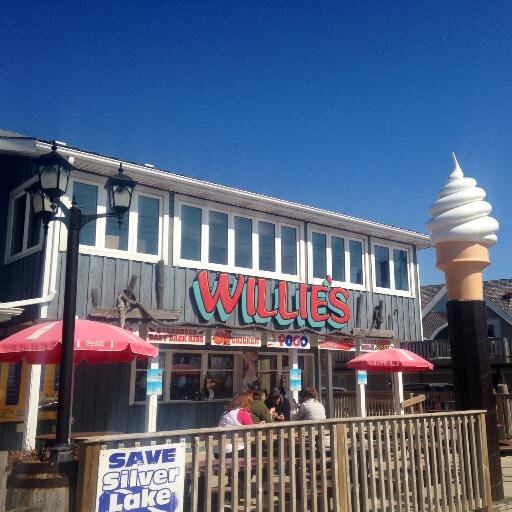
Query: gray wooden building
254, 283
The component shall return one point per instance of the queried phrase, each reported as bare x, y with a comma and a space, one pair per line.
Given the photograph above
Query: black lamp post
53, 172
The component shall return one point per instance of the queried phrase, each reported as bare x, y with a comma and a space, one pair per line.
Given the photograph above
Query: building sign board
335, 343
231, 338
317, 306
145, 479
178, 335
288, 340
370, 345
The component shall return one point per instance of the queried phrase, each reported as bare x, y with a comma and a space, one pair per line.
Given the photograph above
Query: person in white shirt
311, 408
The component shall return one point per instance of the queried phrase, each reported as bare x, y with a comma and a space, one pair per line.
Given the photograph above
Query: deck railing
504, 415
434, 350
396, 463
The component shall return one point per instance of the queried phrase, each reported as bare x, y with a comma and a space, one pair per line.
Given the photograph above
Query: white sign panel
289, 340
236, 338
178, 335
145, 479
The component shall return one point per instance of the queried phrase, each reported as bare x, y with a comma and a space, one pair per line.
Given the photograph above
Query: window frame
166, 381
347, 237
131, 253
230, 267
15, 194
391, 246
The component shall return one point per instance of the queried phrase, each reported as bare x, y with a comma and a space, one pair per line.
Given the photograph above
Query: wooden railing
397, 463
378, 403
504, 415
499, 349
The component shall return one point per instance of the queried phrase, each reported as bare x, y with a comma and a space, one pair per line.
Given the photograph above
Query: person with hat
281, 405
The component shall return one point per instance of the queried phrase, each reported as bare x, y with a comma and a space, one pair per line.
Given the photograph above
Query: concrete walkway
506, 468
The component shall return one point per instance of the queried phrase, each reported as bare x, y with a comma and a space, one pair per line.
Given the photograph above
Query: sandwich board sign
145, 479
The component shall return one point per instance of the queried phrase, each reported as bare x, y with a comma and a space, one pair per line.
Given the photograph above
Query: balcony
500, 351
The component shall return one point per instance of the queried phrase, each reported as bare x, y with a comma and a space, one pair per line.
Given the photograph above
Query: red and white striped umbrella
390, 360
95, 342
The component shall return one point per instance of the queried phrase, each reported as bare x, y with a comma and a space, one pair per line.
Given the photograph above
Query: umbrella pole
398, 392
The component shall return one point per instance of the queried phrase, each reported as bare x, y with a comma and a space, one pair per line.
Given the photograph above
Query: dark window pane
183, 361
401, 270
218, 238
218, 362
267, 246
221, 383
356, 262
12, 393
140, 386
318, 241
185, 385
338, 258
86, 198
243, 242
147, 225
382, 266
117, 237
34, 230
18, 224
288, 250
191, 233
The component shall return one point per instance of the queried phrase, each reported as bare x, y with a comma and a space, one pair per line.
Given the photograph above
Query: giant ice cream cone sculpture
462, 232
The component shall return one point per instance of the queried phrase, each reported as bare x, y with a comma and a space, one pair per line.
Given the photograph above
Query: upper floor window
207, 237
336, 254
140, 235
24, 231
391, 267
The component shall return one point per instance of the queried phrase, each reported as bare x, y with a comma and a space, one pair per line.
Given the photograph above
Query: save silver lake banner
150, 478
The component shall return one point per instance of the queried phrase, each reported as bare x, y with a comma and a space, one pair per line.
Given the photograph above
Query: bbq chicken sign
314, 305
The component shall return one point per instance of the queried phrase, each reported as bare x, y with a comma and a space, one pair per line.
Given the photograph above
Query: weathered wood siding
110, 276
22, 278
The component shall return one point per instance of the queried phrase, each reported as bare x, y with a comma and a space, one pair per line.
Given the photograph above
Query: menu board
335, 343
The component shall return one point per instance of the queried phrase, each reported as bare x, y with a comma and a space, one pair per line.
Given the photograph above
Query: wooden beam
373, 333
136, 314
413, 401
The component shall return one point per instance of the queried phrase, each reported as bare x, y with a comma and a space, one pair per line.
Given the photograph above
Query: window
218, 242
337, 255
188, 375
391, 265
86, 198
24, 231
138, 237
243, 242
230, 241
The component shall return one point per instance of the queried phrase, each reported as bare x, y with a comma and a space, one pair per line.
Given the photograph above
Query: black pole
62, 449
467, 327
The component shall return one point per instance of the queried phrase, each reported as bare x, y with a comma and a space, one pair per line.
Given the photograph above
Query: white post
398, 392
360, 389
294, 363
151, 403
31, 407
34, 376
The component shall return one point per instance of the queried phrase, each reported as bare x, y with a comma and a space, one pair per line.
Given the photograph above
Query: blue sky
349, 106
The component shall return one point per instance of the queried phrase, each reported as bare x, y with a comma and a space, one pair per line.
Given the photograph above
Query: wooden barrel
44, 486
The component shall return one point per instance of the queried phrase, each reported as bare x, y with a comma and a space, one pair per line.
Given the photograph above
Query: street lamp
53, 171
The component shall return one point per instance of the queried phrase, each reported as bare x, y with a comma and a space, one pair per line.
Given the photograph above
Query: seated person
281, 405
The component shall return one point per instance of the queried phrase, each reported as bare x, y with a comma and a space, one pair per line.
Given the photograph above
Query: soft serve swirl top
460, 212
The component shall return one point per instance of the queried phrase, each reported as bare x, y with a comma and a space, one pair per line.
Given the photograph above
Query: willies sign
316, 305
